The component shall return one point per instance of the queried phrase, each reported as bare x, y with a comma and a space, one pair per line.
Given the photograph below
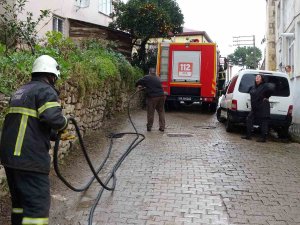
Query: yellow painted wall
180, 39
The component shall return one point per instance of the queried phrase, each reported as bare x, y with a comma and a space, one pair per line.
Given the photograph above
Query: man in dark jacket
155, 98
33, 114
260, 107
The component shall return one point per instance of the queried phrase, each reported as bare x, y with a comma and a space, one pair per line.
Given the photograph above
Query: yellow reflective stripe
23, 111
66, 123
21, 135
35, 221
17, 210
48, 105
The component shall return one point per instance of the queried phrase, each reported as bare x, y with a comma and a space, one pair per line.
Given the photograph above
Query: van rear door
280, 99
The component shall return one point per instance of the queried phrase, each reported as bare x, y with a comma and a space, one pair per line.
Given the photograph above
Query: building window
57, 24
82, 3
105, 6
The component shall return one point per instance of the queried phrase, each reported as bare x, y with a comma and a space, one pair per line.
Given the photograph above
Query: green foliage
150, 60
15, 70
246, 56
93, 44
88, 65
105, 67
145, 20
63, 46
62, 49
2, 49
154, 18
129, 74
17, 32
86, 78
1, 120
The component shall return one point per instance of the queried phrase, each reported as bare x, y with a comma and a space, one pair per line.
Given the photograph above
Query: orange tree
145, 19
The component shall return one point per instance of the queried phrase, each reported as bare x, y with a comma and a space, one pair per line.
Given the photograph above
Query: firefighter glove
65, 135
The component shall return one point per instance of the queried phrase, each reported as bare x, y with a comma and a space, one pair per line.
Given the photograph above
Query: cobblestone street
80, 81
193, 173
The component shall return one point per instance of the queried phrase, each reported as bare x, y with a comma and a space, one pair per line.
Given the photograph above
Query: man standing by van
260, 108
155, 98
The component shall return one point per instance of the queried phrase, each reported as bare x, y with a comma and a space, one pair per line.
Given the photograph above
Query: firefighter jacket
32, 114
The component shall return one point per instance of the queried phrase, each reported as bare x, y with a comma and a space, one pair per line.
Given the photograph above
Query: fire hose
112, 174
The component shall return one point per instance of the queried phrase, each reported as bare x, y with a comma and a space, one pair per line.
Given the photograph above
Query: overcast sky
224, 19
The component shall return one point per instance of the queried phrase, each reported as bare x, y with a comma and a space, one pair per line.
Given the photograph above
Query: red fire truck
188, 72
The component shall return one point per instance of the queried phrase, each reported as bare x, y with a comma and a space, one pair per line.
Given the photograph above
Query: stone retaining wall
90, 111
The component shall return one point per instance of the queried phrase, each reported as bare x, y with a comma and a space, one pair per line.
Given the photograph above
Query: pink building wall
65, 9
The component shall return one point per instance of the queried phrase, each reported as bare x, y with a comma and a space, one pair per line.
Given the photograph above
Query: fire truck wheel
172, 105
204, 106
212, 107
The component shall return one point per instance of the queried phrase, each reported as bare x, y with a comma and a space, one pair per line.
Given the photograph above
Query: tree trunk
142, 53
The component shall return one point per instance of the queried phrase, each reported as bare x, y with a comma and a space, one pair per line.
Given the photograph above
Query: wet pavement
193, 173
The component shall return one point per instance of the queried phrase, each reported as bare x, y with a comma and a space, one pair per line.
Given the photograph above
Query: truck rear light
290, 110
207, 99
234, 104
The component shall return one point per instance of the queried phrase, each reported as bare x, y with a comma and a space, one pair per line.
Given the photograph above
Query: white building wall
66, 9
296, 75
287, 35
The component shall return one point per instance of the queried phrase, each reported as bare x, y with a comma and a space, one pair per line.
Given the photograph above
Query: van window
282, 88
247, 81
232, 85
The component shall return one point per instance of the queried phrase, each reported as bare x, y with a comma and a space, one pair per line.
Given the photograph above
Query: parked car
234, 105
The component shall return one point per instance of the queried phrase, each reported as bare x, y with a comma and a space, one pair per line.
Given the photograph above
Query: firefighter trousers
30, 196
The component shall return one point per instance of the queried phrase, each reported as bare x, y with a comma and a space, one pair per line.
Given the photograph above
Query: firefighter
155, 98
33, 115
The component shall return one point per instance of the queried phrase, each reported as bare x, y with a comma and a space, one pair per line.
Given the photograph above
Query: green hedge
90, 64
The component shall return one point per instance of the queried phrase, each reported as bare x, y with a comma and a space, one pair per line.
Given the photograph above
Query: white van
235, 105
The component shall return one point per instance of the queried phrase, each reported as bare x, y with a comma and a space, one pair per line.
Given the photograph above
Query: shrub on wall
14, 70
89, 64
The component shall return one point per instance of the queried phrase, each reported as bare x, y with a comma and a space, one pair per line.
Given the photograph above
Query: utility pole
246, 41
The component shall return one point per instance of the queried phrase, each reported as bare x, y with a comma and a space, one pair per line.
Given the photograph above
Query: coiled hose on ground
138, 139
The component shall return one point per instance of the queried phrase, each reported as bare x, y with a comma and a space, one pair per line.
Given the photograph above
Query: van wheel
283, 132
228, 124
219, 118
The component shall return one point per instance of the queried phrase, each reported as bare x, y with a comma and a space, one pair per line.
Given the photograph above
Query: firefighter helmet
46, 64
